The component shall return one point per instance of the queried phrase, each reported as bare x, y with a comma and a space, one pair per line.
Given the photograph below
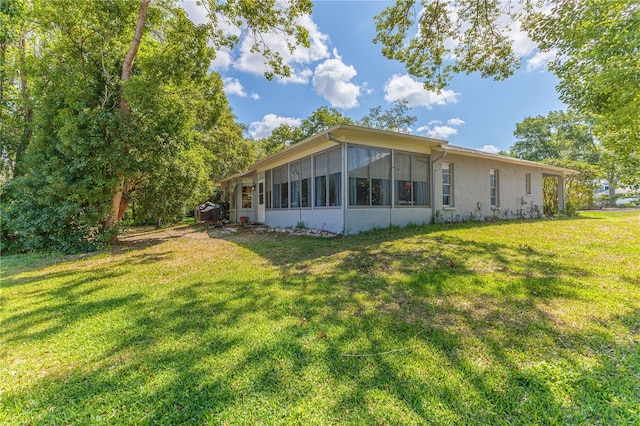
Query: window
295, 184
447, 185
276, 188
320, 166
493, 188
369, 176
335, 177
247, 195
281, 188
527, 183
284, 188
261, 193
411, 180
305, 181
419, 176
233, 195
358, 159
404, 189
268, 185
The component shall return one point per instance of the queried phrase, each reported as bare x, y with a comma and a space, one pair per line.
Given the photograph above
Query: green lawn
534, 322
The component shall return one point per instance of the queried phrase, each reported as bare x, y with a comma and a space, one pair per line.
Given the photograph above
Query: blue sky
345, 70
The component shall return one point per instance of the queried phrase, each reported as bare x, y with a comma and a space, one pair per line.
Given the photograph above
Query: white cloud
441, 132
332, 80
540, 60
522, 43
366, 89
263, 128
232, 86
222, 61
196, 12
491, 149
299, 76
400, 87
435, 129
254, 63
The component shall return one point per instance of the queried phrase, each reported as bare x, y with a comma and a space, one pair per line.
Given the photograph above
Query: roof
332, 136
348, 131
506, 159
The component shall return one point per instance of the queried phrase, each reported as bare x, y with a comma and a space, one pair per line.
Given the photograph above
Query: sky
345, 70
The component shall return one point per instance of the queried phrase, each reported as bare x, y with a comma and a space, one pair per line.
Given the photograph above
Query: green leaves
396, 118
257, 18
598, 67
436, 39
595, 42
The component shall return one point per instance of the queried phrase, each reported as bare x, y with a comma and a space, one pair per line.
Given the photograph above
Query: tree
256, 18
558, 135
566, 139
322, 119
598, 63
231, 151
177, 185
122, 94
395, 119
285, 135
595, 42
440, 38
16, 103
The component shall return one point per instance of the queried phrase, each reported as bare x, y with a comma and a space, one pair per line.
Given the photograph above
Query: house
349, 179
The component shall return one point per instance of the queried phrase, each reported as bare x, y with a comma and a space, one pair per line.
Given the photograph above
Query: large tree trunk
116, 201
612, 192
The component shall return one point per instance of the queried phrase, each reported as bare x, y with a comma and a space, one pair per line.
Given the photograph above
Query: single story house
349, 179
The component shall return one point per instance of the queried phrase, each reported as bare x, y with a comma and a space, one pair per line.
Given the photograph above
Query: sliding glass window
369, 176
404, 188
419, 179
276, 188
305, 181
320, 183
268, 185
281, 188
335, 177
294, 171
359, 186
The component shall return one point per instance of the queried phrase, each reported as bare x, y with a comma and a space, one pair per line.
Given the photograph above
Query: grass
534, 322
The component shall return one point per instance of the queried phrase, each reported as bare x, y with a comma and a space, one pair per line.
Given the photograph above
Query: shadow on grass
271, 349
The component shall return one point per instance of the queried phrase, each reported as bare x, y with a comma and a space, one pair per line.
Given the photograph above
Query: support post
561, 201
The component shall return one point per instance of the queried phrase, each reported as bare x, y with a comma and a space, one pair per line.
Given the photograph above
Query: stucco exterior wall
471, 192
364, 219
328, 219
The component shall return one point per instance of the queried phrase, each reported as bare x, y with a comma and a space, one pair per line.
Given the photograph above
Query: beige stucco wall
471, 188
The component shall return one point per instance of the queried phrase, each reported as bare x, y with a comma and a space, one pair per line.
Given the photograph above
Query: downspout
433, 183
332, 139
344, 184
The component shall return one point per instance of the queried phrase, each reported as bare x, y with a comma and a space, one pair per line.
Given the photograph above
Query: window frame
376, 189
527, 184
246, 196
494, 188
400, 184
449, 185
